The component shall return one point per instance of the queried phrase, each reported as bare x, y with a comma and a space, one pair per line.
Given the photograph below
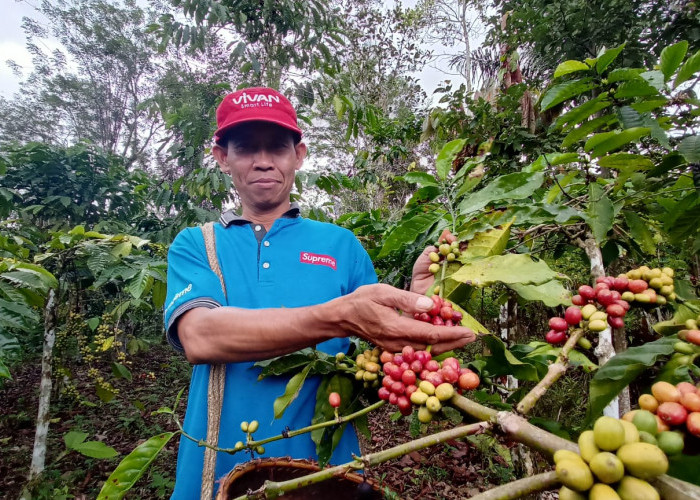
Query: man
291, 283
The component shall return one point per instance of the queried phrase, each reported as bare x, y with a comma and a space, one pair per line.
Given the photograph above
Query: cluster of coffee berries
446, 252
368, 367
650, 286
593, 308
670, 408
442, 313
414, 377
559, 327
689, 337
612, 463
249, 428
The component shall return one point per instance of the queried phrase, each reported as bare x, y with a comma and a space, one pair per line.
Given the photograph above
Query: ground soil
452, 470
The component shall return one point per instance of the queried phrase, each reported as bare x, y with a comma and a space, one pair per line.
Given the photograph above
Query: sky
12, 46
12, 42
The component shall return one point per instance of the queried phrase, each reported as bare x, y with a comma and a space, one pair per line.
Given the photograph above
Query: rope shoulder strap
217, 377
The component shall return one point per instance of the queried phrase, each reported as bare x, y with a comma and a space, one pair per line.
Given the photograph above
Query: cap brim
225, 128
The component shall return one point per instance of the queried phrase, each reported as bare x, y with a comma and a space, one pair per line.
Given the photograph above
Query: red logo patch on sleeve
317, 259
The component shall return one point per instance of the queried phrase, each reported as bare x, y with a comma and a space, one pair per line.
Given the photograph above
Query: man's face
262, 160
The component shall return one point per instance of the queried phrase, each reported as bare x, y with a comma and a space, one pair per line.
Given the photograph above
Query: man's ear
221, 155
301, 154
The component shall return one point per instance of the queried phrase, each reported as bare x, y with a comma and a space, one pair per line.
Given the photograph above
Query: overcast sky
12, 46
12, 42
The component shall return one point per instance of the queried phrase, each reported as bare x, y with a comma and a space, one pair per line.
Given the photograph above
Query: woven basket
251, 475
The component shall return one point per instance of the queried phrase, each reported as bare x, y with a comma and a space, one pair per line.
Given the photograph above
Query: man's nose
262, 159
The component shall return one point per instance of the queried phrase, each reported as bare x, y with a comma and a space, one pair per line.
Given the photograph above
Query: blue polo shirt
298, 262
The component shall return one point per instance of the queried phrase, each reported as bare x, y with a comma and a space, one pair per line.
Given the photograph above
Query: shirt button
266, 265
258, 227
266, 243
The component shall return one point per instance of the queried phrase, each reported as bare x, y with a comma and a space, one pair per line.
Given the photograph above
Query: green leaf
685, 467
104, 394
689, 147
563, 91
408, 231
121, 371
502, 362
552, 293
327, 438
74, 438
159, 292
121, 249
689, 68
586, 128
686, 311
4, 370
671, 58
422, 178
635, 88
639, 230
581, 112
447, 154
291, 392
629, 117
287, 363
133, 466
507, 269
605, 142
623, 74
576, 358
570, 66
607, 57
141, 284
93, 323
487, 243
626, 162
654, 78
621, 370
516, 186
96, 449
601, 213
551, 159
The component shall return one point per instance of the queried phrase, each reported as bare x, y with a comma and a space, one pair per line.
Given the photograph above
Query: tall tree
95, 87
550, 32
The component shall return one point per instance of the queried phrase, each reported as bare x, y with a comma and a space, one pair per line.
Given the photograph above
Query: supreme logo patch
317, 259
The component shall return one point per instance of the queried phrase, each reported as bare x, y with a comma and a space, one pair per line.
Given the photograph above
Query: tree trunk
42, 424
605, 350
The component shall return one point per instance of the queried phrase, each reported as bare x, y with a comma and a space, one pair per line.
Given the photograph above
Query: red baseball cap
255, 104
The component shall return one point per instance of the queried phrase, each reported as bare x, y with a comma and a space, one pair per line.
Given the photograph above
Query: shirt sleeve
364, 273
191, 282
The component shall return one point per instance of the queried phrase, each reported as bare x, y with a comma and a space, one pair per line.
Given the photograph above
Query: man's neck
263, 217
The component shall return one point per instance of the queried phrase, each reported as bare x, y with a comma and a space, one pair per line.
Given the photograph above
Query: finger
412, 330
409, 302
441, 347
447, 236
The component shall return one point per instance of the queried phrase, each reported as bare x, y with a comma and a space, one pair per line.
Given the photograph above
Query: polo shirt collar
231, 218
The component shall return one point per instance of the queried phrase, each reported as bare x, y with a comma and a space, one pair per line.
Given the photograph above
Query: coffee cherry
555, 337
573, 315
586, 292
468, 381
558, 324
253, 426
334, 399
577, 300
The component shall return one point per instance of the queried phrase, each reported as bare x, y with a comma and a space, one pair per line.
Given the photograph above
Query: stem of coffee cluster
336, 421
272, 489
520, 488
555, 371
252, 444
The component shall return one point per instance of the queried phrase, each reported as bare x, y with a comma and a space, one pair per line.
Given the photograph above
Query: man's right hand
383, 315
